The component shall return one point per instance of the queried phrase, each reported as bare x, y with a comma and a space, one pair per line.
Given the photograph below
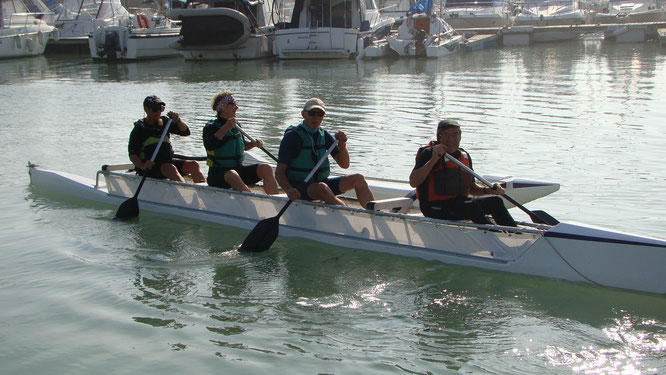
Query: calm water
83, 294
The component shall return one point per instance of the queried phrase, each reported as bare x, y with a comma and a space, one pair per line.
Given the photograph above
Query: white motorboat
226, 30
631, 11
552, 13
565, 251
78, 18
472, 14
137, 37
21, 33
328, 29
425, 35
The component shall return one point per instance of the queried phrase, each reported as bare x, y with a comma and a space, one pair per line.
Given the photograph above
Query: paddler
444, 189
145, 137
225, 148
300, 149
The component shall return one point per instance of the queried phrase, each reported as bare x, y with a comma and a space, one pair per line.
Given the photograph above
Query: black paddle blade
262, 236
129, 209
542, 217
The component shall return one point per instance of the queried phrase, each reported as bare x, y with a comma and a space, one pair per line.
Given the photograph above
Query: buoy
30, 44
40, 37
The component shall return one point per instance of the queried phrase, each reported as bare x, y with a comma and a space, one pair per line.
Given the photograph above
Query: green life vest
150, 143
299, 167
231, 153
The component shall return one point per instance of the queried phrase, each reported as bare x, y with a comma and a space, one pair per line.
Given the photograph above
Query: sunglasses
314, 112
158, 108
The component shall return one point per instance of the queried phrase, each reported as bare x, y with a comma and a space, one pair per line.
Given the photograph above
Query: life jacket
446, 180
165, 153
231, 153
299, 167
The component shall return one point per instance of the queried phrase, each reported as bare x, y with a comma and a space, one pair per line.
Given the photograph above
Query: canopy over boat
566, 251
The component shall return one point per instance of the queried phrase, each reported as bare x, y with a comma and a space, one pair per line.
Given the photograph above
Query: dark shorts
155, 172
247, 173
302, 187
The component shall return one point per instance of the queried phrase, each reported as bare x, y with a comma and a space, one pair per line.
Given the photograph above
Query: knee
357, 180
230, 175
264, 171
191, 165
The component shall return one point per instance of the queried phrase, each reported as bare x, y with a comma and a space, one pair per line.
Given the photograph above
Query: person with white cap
443, 188
145, 136
300, 149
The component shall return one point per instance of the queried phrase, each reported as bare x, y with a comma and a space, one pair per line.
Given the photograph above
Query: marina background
84, 294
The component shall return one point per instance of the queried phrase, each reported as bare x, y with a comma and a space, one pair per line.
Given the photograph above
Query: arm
420, 173
342, 156
181, 127
281, 177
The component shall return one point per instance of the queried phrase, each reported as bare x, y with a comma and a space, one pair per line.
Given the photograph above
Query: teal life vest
149, 144
299, 167
231, 153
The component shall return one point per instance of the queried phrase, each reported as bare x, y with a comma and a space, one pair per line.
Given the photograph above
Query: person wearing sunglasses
144, 139
300, 149
444, 189
225, 149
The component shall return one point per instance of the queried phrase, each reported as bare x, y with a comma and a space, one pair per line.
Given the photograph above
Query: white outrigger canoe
565, 251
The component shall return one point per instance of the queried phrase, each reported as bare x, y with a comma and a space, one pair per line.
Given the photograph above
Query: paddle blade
129, 209
262, 236
543, 217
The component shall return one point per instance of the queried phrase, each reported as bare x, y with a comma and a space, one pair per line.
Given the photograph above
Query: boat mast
2, 16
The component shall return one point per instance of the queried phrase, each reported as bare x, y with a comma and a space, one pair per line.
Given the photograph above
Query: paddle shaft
266, 231
152, 158
255, 142
533, 215
312, 172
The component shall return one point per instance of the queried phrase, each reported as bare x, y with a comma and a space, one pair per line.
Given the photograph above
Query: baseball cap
153, 101
314, 103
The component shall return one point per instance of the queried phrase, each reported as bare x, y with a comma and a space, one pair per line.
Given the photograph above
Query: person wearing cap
225, 149
301, 148
144, 138
443, 188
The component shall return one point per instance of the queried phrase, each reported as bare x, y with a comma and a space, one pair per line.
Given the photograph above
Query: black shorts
155, 172
247, 173
302, 187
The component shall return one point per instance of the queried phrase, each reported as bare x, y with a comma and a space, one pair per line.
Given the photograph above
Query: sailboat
78, 18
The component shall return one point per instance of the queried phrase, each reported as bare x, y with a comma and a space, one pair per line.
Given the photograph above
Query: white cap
314, 103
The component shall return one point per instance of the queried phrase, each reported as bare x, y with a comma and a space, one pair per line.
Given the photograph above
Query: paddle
255, 142
266, 231
537, 216
130, 208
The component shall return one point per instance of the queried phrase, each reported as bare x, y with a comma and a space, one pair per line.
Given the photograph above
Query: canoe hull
567, 251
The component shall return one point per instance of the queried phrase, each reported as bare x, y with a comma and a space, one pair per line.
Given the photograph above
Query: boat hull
567, 251
29, 40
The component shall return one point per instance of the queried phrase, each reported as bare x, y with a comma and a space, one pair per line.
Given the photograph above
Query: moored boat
21, 33
137, 37
328, 30
566, 251
226, 30
425, 35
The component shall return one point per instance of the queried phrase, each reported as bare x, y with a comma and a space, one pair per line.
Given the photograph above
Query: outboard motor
111, 45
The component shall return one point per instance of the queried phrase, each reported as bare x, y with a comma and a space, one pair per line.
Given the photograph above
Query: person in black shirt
443, 188
145, 136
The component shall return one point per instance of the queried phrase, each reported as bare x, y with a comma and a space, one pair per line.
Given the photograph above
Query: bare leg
321, 191
234, 180
265, 172
191, 167
170, 172
360, 186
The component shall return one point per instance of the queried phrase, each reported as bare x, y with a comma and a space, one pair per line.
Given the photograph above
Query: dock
528, 34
